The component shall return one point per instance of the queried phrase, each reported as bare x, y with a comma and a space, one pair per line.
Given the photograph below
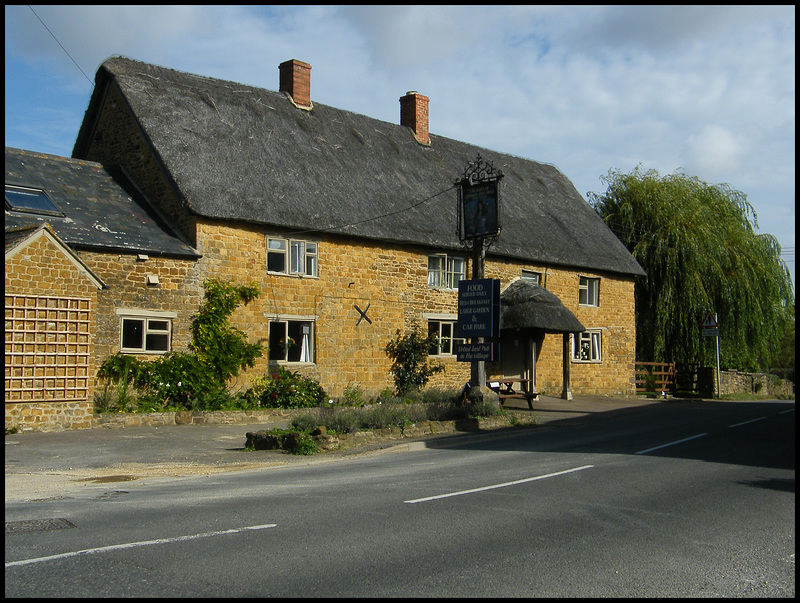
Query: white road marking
131, 545
746, 422
514, 483
699, 435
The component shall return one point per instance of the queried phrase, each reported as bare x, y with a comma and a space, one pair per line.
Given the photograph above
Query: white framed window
446, 271
447, 334
587, 346
292, 256
291, 340
531, 276
589, 291
145, 332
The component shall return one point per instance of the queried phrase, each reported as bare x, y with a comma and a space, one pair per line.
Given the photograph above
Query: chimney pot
414, 114
295, 80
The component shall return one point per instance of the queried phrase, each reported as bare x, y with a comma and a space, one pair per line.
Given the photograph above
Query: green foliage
305, 446
177, 379
698, 244
194, 380
220, 347
287, 389
409, 355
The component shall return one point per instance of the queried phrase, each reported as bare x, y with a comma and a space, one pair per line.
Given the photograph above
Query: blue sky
707, 90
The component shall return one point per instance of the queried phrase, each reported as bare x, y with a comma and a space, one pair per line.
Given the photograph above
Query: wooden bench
505, 388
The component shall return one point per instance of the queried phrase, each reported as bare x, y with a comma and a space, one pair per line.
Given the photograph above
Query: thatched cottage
337, 217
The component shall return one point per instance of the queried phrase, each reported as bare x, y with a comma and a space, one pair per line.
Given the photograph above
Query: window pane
297, 256
447, 332
433, 329
31, 200
276, 255
295, 341
276, 262
527, 275
158, 325
457, 272
132, 334
311, 259
436, 269
157, 342
277, 339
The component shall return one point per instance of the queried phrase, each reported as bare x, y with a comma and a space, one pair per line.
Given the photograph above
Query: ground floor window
145, 332
586, 346
291, 340
447, 335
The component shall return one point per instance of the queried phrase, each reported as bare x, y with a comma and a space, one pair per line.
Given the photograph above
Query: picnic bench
514, 388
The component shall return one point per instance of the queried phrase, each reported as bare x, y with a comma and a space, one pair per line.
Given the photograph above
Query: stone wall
49, 340
761, 384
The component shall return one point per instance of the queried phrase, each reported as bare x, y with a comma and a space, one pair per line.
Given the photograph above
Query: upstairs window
290, 256
532, 277
446, 271
589, 291
30, 200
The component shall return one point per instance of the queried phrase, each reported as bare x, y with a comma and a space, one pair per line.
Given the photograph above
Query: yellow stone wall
41, 269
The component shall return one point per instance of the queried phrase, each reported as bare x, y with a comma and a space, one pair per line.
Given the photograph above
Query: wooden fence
655, 377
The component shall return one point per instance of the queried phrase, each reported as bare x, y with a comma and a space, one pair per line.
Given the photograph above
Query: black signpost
479, 299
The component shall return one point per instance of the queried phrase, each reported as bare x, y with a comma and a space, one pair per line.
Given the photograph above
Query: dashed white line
131, 545
746, 422
694, 437
503, 485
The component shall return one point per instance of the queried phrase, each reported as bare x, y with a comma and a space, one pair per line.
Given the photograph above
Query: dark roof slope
102, 210
244, 153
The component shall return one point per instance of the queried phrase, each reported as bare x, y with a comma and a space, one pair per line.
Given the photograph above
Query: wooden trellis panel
47, 348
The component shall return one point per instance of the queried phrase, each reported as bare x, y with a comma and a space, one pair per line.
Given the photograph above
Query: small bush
348, 421
306, 446
353, 395
305, 423
286, 389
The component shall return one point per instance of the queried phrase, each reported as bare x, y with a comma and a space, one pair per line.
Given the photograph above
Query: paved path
41, 465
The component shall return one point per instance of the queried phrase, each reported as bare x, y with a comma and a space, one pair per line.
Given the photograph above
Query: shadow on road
759, 434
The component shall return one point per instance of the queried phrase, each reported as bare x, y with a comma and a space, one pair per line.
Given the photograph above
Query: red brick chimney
295, 79
414, 114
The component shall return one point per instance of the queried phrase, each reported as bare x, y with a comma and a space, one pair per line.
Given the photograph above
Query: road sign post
710, 328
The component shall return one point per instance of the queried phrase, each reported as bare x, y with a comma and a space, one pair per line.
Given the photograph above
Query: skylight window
30, 200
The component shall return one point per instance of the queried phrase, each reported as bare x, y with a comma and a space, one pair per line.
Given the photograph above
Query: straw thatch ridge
525, 305
241, 153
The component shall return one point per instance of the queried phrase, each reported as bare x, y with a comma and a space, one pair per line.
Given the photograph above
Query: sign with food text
479, 308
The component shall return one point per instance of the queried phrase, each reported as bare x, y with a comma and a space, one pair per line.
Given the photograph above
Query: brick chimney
414, 114
295, 80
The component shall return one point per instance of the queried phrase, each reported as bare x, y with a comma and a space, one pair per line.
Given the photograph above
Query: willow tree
699, 246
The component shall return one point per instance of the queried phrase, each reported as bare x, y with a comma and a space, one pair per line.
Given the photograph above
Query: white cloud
716, 152
709, 89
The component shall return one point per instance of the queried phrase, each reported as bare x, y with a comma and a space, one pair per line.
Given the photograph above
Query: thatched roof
524, 305
242, 153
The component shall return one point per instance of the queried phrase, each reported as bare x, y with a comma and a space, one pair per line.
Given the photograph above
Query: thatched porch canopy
525, 305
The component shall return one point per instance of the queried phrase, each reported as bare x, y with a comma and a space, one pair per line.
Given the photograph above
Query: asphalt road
673, 500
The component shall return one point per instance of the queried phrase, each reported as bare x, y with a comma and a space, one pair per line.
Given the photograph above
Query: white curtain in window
305, 352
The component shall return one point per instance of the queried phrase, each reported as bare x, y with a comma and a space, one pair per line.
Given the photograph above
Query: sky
708, 91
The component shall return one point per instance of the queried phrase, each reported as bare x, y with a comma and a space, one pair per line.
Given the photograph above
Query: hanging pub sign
481, 216
479, 202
